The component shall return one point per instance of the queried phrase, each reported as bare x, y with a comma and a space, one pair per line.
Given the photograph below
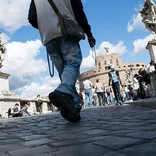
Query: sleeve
80, 16
32, 16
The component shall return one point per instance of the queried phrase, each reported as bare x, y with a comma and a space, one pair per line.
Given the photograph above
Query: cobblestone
104, 131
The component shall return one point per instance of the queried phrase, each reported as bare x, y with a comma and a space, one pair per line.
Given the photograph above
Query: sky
115, 24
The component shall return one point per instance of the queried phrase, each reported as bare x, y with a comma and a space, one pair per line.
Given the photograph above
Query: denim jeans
101, 98
116, 89
88, 97
67, 57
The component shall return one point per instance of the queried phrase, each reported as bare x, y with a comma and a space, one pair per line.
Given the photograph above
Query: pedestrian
64, 52
144, 81
16, 109
100, 92
109, 96
16, 112
135, 87
114, 77
39, 103
94, 97
151, 67
24, 110
87, 86
131, 92
127, 92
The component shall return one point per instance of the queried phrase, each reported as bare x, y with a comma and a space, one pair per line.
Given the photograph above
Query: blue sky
115, 24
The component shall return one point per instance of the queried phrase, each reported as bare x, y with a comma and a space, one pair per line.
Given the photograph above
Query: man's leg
72, 58
86, 98
115, 93
90, 97
99, 98
118, 93
66, 56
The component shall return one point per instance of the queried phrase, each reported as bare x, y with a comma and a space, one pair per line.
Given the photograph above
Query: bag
70, 29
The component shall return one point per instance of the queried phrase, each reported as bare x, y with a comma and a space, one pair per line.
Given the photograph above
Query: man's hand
91, 41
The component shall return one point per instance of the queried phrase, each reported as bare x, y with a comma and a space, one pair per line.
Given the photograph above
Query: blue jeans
67, 57
88, 97
116, 89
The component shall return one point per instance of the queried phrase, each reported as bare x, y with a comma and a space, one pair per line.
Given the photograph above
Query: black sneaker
65, 104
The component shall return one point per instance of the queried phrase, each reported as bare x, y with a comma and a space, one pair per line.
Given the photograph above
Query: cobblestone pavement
106, 131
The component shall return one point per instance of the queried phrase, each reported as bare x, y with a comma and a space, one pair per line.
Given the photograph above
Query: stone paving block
95, 132
114, 143
4, 154
37, 142
143, 134
114, 154
11, 147
43, 154
30, 151
78, 141
9, 141
81, 150
33, 137
148, 149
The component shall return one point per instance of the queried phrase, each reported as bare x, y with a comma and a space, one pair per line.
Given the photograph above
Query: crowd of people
98, 95
116, 93
141, 84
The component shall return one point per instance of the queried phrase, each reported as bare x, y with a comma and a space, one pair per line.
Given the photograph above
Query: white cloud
47, 85
135, 23
13, 14
89, 63
140, 44
22, 63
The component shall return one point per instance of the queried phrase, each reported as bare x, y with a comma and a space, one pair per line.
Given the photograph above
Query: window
137, 65
111, 61
105, 62
117, 60
99, 67
131, 65
99, 64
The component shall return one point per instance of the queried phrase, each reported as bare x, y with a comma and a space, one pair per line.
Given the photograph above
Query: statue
148, 14
129, 76
2, 51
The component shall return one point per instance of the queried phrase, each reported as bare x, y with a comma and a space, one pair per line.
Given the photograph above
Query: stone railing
153, 84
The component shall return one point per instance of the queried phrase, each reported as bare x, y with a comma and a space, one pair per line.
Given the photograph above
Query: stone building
102, 67
8, 99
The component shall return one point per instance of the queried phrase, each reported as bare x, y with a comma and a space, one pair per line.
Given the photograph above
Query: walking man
87, 85
100, 92
65, 53
116, 81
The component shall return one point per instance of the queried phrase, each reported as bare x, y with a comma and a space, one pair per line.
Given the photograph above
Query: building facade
102, 67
